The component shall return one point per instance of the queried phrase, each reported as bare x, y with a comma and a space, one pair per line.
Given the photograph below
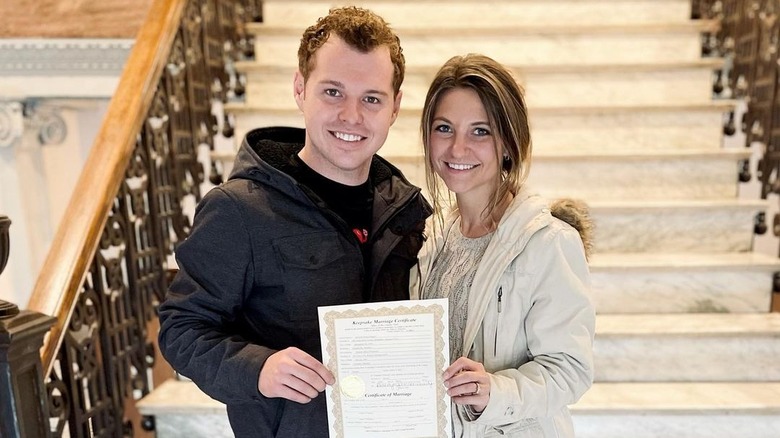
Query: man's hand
293, 374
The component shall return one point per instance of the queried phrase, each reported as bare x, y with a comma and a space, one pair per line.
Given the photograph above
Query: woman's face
462, 147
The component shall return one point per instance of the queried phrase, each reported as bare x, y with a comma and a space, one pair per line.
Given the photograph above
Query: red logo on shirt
361, 234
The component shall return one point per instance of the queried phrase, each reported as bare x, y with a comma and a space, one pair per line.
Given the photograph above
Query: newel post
23, 400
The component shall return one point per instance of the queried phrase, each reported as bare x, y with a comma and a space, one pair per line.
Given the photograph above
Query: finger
462, 378
460, 365
478, 401
291, 394
275, 382
455, 368
303, 387
464, 389
309, 362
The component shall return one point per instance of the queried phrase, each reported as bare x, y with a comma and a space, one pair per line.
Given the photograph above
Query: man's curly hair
358, 27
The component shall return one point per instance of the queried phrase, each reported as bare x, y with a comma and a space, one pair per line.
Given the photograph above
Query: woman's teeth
461, 166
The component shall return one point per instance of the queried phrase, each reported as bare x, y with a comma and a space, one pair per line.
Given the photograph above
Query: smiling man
308, 218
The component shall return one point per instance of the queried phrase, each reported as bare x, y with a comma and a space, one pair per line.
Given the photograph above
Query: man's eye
332, 92
372, 99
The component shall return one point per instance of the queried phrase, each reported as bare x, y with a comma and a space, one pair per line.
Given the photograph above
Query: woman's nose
459, 146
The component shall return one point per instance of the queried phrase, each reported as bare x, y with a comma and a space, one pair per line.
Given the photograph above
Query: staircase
622, 116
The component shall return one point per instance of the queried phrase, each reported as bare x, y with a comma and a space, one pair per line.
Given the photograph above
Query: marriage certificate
388, 359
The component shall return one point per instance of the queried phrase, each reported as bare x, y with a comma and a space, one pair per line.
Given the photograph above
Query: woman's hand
468, 383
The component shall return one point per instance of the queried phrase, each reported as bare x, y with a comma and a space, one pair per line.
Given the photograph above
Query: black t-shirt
354, 204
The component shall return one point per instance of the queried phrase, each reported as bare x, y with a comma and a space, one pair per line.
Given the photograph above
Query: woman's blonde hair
505, 106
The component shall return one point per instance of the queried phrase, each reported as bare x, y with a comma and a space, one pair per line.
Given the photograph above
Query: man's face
348, 106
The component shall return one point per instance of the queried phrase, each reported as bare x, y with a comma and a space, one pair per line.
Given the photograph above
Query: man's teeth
347, 137
461, 166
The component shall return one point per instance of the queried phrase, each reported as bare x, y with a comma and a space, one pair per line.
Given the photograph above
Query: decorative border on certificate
352, 386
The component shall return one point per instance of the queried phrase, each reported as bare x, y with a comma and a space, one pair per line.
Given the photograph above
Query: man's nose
351, 112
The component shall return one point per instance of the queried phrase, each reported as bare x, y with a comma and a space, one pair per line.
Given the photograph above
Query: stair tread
714, 105
755, 324
184, 397
622, 154
680, 397
704, 63
685, 204
683, 261
447, 1
586, 154
177, 397
492, 29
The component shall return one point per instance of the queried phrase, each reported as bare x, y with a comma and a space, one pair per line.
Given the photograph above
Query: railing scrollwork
749, 40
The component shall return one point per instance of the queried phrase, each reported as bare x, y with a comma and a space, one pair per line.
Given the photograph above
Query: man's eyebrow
380, 92
332, 82
339, 84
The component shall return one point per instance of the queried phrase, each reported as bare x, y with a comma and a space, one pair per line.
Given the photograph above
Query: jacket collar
526, 214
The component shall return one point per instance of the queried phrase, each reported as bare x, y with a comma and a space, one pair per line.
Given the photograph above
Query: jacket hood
575, 212
270, 149
536, 212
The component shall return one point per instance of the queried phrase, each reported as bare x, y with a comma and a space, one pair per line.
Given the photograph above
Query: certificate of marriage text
388, 359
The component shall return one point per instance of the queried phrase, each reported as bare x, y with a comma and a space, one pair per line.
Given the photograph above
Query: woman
521, 323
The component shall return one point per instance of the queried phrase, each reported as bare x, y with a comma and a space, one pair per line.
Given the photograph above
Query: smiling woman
515, 275
72, 19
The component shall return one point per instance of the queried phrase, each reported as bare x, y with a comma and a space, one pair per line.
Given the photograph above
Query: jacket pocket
309, 252
506, 342
316, 270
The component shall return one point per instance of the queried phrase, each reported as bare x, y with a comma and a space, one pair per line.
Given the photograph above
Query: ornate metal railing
106, 271
749, 41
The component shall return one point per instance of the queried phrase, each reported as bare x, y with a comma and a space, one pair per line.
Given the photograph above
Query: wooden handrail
78, 235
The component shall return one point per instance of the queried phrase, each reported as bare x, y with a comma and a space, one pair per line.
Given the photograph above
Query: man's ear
397, 105
299, 89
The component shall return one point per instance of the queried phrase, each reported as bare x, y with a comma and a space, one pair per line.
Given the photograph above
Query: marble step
562, 44
181, 409
595, 176
428, 14
627, 283
605, 127
712, 347
658, 226
607, 410
545, 85
679, 410
685, 226
626, 175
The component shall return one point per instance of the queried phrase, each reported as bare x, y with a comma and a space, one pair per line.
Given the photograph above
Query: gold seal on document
353, 387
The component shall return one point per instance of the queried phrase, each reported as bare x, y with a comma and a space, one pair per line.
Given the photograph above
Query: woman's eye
442, 128
481, 132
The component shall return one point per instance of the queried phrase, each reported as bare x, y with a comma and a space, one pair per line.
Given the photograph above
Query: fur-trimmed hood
576, 213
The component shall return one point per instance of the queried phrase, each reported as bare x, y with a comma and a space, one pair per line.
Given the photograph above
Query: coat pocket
317, 270
308, 252
505, 332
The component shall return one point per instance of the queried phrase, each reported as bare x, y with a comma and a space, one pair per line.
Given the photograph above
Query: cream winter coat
530, 322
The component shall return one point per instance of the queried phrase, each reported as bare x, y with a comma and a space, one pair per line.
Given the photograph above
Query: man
308, 218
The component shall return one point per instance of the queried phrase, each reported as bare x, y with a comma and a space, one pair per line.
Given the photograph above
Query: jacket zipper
495, 341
